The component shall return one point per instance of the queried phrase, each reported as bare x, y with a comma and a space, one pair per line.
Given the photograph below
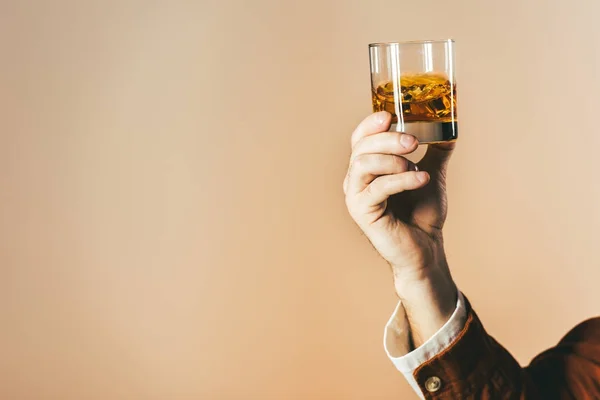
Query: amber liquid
427, 106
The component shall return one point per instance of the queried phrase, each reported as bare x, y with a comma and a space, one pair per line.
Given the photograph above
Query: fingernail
407, 140
422, 176
381, 117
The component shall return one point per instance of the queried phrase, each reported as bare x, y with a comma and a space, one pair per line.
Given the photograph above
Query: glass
414, 81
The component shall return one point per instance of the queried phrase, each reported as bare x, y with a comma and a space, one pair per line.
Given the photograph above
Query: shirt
462, 361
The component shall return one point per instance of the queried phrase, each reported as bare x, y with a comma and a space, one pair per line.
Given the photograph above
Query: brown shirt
475, 366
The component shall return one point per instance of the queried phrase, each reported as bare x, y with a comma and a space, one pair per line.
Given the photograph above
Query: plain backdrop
172, 223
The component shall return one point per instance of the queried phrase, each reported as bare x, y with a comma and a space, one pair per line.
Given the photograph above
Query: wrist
430, 271
436, 288
429, 298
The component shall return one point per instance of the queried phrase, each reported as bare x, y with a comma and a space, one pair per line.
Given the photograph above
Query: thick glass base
429, 132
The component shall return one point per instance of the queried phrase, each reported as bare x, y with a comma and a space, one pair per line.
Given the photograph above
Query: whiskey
427, 106
425, 97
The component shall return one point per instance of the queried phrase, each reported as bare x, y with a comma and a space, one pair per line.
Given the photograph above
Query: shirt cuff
396, 340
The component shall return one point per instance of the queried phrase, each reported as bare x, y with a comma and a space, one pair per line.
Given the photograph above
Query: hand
401, 207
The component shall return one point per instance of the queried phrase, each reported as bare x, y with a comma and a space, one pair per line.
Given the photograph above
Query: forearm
429, 299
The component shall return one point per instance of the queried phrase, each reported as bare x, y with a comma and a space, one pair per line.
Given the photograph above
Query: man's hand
401, 207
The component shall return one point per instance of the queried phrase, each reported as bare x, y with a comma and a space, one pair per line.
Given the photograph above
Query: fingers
386, 143
374, 123
392, 143
366, 167
385, 186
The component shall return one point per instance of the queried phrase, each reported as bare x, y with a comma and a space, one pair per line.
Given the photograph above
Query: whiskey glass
415, 82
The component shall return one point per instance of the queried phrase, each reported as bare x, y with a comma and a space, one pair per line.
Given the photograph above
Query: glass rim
381, 44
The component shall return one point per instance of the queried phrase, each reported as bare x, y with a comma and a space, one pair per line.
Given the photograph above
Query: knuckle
360, 162
398, 182
358, 143
405, 179
388, 184
348, 202
401, 163
376, 187
370, 189
353, 207
397, 145
353, 139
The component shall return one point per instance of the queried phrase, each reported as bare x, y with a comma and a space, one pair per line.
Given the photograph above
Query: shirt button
433, 384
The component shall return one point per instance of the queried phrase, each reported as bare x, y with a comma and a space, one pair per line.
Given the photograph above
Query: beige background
172, 223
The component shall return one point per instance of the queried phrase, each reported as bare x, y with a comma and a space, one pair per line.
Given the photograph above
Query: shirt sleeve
474, 366
397, 343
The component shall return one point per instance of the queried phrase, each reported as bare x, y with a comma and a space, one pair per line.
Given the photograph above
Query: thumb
437, 157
